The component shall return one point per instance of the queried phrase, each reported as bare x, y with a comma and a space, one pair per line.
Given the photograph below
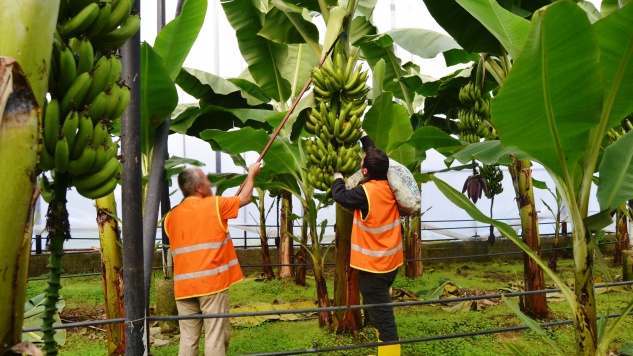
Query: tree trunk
325, 317
346, 291
111, 271
27, 36
621, 235
300, 271
286, 250
534, 305
413, 248
585, 321
263, 237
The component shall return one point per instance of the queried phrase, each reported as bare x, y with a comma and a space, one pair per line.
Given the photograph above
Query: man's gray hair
188, 181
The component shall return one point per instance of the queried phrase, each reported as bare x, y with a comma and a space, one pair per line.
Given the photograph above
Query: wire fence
315, 348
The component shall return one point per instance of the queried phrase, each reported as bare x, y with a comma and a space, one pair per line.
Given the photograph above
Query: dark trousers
374, 287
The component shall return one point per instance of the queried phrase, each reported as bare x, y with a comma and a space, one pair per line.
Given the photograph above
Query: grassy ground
84, 300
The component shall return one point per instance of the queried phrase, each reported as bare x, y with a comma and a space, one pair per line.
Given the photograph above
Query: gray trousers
216, 330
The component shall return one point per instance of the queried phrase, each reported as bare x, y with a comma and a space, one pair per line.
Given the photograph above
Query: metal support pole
135, 308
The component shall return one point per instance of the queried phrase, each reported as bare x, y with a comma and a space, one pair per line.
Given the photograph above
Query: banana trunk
263, 237
533, 305
111, 271
346, 290
413, 251
300, 271
20, 103
286, 249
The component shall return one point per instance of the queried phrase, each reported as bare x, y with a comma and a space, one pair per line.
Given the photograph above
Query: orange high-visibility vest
205, 261
377, 240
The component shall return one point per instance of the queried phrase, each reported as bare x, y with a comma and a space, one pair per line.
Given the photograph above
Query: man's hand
362, 132
253, 169
337, 175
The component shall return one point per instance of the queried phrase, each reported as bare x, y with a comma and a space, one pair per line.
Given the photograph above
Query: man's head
375, 163
193, 182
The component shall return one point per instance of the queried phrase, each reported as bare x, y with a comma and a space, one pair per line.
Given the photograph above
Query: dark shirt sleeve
354, 198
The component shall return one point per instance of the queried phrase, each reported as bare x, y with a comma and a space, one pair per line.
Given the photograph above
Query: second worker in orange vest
205, 263
376, 248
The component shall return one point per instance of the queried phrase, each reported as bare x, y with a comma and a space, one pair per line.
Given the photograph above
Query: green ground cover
84, 302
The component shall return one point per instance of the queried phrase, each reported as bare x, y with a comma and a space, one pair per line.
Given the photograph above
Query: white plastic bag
403, 185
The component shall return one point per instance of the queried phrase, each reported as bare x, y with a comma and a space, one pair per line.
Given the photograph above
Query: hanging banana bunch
474, 118
341, 92
493, 177
620, 130
87, 95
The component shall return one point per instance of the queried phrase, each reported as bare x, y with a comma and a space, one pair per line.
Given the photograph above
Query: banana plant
534, 113
25, 57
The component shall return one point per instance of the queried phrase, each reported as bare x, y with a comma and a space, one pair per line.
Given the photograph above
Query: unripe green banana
75, 6
112, 149
46, 188
80, 22
67, 68
115, 69
99, 107
309, 127
84, 135
69, 128
84, 162
115, 39
124, 101
113, 100
46, 162
100, 73
119, 13
51, 124
322, 94
102, 19
318, 79
352, 80
62, 155
96, 179
76, 93
100, 159
99, 133
86, 56
100, 191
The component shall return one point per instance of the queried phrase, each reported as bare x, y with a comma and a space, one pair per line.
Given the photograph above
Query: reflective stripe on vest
208, 272
376, 244
199, 247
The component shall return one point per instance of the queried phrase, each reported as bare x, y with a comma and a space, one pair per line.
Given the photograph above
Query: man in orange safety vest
205, 262
376, 246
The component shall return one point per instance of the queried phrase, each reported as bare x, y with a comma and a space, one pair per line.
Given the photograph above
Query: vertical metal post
135, 308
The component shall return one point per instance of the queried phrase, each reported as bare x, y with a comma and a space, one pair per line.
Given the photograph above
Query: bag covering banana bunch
340, 91
474, 119
87, 95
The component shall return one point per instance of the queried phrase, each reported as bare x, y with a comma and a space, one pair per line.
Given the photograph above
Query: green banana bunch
88, 94
474, 120
493, 177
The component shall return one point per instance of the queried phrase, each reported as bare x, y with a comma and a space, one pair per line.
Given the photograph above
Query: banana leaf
509, 29
195, 120
265, 58
33, 310
158, 96
298, 67
290, 24
463, 27
375, 49
214, 90
175, 40
385, 116
421, 42
361, 26
426, 138
616, 173
538, 115
279, 158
